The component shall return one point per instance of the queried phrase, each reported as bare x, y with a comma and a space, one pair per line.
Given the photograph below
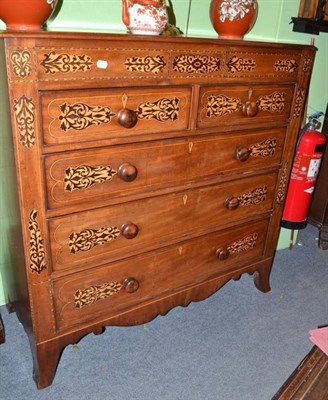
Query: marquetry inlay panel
196, 64
21, 63
91, 294
253, 197
37, 252
66, 63
286, 65
148, 64
299, 99
85, 176
283, 183
274, 102
240, 64
218, 106
24, 111
263, 149
161, 110
87, 239
244, 244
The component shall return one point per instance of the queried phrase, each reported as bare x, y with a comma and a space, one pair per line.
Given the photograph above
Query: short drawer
219, 105
111, 289
84, 116
109, 174
95, 237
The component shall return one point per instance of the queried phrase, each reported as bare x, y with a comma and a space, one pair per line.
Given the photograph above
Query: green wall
105, 15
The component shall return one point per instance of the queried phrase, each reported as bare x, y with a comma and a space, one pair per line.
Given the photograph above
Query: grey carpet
239, 344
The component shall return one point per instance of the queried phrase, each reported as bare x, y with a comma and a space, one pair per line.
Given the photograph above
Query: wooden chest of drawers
150, 172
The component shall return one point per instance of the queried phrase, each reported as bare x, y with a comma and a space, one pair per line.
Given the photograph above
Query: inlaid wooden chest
150, 172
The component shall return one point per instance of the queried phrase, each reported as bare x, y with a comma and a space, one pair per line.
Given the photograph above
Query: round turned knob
250, 109
242, 154
127, 118
222, 254
127, 172
129, 230
130, 285
232, 203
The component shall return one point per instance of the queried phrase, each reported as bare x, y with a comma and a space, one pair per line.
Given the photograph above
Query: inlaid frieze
146, 64
21, 63
218, 106
253, 197
161, 110
274, 102
306, 64
283, 184
299, 99
37, 252
89, 238
239, 64
65, 63
196, 64
81, 116
91, 294
289, 65
85, 176
244, 244
264, 149
24, 112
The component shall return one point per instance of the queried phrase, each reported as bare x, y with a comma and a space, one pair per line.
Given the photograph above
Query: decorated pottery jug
145, 17
25, 14
232, 19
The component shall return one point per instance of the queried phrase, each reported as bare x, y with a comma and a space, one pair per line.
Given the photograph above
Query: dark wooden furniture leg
2, 331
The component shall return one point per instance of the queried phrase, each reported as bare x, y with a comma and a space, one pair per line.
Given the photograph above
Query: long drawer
105, 235
114, 288
118, 171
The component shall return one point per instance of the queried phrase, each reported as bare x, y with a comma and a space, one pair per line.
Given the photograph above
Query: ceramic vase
26, 14
232, 19
144, 17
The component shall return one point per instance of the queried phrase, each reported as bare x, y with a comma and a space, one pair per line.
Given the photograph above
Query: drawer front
82, 116
240, 104
104, 235
114, 172
111, 289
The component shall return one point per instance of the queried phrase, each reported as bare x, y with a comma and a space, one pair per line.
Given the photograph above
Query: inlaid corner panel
83, 297
96, 174
78, 116
226, 104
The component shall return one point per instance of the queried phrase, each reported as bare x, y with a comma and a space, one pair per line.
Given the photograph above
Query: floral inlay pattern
199, 64
274, 102
85, 176
89, 238
239, 64
299, 99
37, 252
24, 111
253, 197
244, 244
66, 63
146, 64
267, 148
218, 106
91, 294
21, 63
283, 184
81, 116
285, 65
161, 110
235, 9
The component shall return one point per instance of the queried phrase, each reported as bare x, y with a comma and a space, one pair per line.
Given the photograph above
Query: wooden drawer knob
130, 285
222, 254
129, 230
127, 118
250, 109
242, 154
232, 203
127, 172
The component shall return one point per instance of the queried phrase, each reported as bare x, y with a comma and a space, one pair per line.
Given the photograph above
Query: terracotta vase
26, 14
232, 19
144, 17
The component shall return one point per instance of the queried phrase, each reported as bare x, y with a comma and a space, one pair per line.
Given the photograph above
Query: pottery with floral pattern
232, 19
144, 17
26, 14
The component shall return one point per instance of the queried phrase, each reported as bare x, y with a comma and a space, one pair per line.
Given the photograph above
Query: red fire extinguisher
309, 152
